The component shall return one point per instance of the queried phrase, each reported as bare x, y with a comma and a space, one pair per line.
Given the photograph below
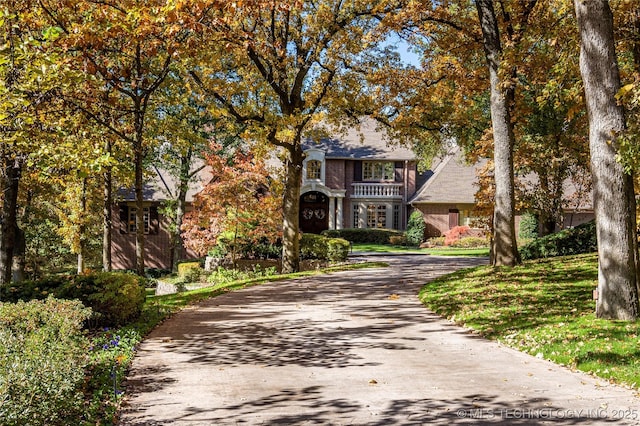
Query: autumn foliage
454, 234
240, 205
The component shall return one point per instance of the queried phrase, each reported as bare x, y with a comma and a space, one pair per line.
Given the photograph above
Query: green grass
457, 251
545, 308
438, 251
385, 248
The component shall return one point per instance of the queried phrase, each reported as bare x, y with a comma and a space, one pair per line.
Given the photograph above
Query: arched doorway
314, 212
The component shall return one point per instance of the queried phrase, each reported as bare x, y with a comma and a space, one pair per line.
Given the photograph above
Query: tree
123, 52
241, 205
504, 244
184, 135
28, 84
614, 199
283, 67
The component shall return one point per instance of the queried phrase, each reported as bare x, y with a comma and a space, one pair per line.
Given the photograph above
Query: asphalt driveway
354, 347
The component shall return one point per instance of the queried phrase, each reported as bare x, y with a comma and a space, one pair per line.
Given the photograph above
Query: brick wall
335, 174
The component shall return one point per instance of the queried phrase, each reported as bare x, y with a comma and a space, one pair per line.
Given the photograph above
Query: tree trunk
614, 200
83, 209
9, 186
139, 183
291, 209
19, 256
504, 246
177, 246
107, 217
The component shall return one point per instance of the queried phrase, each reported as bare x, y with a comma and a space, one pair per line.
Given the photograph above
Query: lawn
436, 251
544, 308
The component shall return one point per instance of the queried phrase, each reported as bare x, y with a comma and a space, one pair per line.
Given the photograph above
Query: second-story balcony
377, 190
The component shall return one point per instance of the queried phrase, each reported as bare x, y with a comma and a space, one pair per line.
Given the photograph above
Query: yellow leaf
624, 90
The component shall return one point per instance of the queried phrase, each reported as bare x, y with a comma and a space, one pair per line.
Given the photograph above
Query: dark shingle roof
453, 181
369, 142
162, 185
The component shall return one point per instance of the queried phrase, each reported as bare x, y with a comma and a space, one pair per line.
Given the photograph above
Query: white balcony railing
377, 190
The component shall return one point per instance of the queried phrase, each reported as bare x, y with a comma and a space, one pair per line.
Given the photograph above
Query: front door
314, 212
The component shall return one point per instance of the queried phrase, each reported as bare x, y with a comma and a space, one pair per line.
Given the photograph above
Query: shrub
581, 239
435, 241
43, 353
337, 249
470, 242
313, 246
398, 240
190, 271
454, 234
415, 228
114, 297
363, 235
528, 227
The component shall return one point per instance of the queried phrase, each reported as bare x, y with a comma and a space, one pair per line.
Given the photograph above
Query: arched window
314, 169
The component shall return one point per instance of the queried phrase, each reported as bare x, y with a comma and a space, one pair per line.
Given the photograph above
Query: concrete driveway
354, 347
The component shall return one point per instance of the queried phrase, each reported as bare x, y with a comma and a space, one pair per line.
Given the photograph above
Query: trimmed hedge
364, 235
581, 239
313, 246
43, 352
115, 298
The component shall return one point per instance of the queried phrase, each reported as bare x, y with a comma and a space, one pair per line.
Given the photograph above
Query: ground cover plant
545, 308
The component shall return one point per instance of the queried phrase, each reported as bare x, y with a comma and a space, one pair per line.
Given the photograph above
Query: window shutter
154, 220
124, 218
357, 171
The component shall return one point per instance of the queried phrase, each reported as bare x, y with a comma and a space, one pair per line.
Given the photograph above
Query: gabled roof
367, 143
162, 185
453, 181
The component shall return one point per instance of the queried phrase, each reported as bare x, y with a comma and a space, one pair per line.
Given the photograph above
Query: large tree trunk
504, 245
614, 200
291, 210
9, 185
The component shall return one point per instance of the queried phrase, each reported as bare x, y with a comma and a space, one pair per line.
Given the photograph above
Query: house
447, 198
351, 180
356, 180
160, 188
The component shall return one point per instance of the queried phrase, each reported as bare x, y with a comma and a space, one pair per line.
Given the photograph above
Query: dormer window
314, 170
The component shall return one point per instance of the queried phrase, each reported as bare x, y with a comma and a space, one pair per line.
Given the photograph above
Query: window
314, 169
378, 170
376, 216
132, 219
396, 216
356, 216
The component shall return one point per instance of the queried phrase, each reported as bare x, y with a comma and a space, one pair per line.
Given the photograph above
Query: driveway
353, 347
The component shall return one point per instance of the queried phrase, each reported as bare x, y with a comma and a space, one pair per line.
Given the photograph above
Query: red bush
454, 234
